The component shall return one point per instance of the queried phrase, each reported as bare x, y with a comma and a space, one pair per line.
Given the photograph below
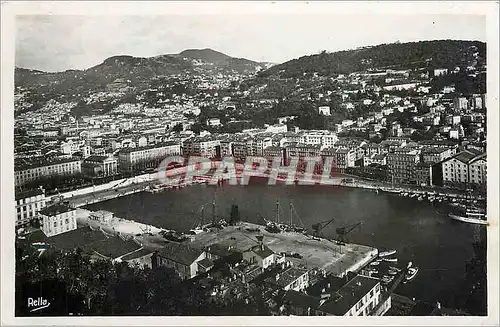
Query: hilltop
138, 69
442, 54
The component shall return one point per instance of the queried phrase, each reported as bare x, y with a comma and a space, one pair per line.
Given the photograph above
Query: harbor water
438, 245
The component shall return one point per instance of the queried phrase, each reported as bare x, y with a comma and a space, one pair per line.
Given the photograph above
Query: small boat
391, 259
375, 263
196, 231
412, 272
387, 279
386, 253
420, 198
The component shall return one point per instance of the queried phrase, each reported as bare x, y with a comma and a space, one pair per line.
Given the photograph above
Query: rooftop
467, 156
78, 238
306, 146
180, 253
137, 254
301, 299
205, 263
436, 150
98, 159
330, 284
287, 276
56, 209
114, 247
153, 146
348, 295
29, 194
25, 164
219, 250
262, 251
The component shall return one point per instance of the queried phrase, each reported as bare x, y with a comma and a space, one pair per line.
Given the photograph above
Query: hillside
136, 69
125, 74
444, 53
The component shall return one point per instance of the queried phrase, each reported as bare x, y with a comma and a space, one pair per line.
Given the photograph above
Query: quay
316, 253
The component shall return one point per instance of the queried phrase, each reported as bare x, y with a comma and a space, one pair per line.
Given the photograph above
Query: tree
196, 128
177, 128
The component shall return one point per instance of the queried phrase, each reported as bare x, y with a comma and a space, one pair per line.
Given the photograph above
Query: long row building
402, 161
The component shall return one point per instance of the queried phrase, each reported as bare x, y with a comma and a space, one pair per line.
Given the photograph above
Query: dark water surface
439, 246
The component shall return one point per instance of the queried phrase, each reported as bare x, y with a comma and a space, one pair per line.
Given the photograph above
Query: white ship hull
469, 219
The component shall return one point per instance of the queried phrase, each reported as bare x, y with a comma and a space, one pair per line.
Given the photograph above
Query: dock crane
318, 227
342, 232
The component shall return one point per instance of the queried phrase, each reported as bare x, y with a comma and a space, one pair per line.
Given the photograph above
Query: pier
316, 252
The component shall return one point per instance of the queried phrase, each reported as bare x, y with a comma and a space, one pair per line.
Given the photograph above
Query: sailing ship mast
202, 216
277, 211
213, 211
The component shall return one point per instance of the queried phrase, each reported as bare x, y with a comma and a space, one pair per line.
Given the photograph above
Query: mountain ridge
206, 54
440, 52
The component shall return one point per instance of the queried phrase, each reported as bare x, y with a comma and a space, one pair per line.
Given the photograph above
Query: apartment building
460, 104
70, 147
290, 278
239, 149
201, 146
272, 152
298, 150
28, 204
435, 155
144, 157
342, 157
423, 174
27, 172
57, 219
361, 296
401, 164
256, 145
322, 138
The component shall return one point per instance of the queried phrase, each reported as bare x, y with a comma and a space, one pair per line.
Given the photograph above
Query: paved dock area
323, 254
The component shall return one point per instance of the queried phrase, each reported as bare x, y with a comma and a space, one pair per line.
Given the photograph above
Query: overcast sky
57, 43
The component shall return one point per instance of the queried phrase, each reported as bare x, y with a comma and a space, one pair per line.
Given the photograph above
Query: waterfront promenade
338, 181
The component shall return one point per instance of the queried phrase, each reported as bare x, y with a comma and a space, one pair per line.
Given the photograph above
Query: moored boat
390, 259
386, 253
196, 231
412, 272
387, 279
